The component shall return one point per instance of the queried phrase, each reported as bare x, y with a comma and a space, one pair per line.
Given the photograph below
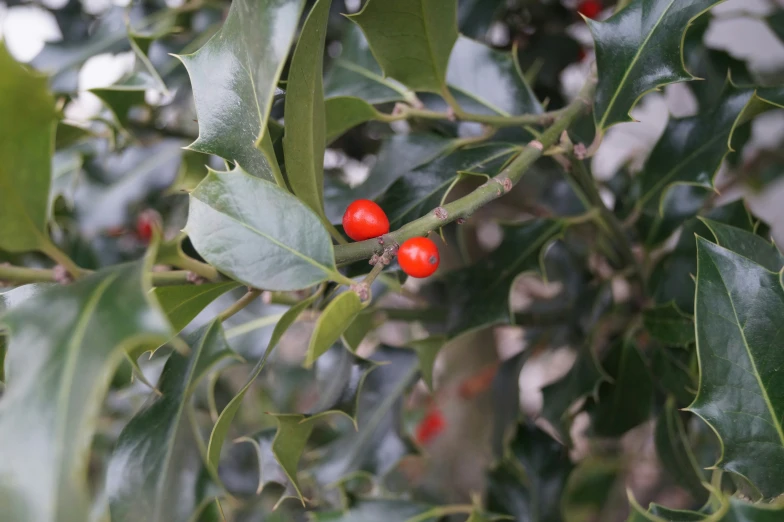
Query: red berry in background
430, 427
590, 8
145, 223
364, 219
418, 257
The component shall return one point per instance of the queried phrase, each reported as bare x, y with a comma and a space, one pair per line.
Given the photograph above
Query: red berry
145, 223
418, 257
590, 8
364, 219
430, 427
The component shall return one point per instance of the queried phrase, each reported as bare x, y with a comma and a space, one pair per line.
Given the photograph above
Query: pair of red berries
364, 219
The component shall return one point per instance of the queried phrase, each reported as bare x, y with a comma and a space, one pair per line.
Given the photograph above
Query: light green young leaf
639, 50
344, 113
259, 234
333, 321
741, 390
222, 425
182, 303
150, 472
411, 39
234, 77
78, 335
26, 145
305, 139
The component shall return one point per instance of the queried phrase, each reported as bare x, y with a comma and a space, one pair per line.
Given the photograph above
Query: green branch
493, 189
405, 112
24, 275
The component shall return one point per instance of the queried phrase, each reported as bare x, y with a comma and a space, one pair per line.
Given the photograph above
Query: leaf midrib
636, 57
775, 421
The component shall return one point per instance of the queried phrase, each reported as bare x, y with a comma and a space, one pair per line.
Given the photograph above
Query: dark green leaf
488, 81
675, 515
741, 391
26, 145
427, 350
411, 39
749, 245
674, 448
375, 510
588, 488
638, 50
533, 495
305, 139
399, 155
674, 371
333, 321
121, 97
234, 77
258, 234
475, 16
355, 73
78, 335
626, 402
581, 380
480, 293
776, 22
421, 190
223, 423
505, 390
150, 473
184, 302
668, 324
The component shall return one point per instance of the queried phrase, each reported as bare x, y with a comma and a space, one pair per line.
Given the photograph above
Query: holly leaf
427, 350
365, 510
221, 428
346, 112
121, 97
638, 50
332, 323
258, 234
488, 81
411, 39
26, 146
668, 324
675, 452
529, 485
752, 246
588, 488
79, 334
270, 471
182, 303
355, 73
421, 190
479, 294
673, 374
626, 401
234, 76
741, 391
305, 139
151, 470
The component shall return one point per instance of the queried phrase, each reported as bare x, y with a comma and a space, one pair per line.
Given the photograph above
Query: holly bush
188, 335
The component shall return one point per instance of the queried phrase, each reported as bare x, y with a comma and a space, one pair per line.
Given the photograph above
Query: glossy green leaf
411, 39
305, 139
529, 486
234, 77
488, 81
121, 97
221, 428
730, 509
582, 379
78, 335
150, 472
626, 401
741, 391
398, 156
674, 448
359, 328
588, 488
257, 233
183, 303
356, 74
427, 350
26, 145
476, 16
479, 295
290, 441
376, 510
668, 324
639, 50
752, 246
344, 113
505, 390
675, 373
333, 321
421, 190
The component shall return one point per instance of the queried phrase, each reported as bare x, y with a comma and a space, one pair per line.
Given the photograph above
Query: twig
25, 275
241, 303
